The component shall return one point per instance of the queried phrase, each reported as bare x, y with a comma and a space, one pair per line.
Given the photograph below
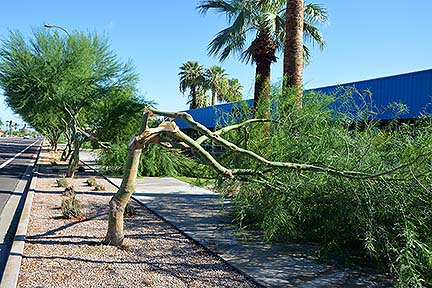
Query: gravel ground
67, 253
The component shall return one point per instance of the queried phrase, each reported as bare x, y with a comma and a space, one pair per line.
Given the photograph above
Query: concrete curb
13, 264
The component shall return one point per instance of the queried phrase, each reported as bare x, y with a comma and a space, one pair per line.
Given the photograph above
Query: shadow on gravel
171, 269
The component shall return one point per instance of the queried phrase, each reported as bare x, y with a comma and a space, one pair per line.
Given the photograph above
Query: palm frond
229, 40
246, 55
280, 31
315, 14
306, 55
220, 6
313, 35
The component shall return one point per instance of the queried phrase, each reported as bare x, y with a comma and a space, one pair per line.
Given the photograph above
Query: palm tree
266, 21
202, 99
192, 78
293, 52
233, 91
215, 76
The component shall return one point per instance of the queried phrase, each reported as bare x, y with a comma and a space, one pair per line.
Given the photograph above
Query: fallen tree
146, 136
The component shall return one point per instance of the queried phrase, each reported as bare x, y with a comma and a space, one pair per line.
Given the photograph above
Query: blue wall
412, 89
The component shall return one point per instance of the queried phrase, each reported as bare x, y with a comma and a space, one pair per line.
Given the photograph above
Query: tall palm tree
215, 76
192, 78
265, 21
293, 52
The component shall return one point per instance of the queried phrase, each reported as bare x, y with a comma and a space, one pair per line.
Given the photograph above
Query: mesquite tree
146, 135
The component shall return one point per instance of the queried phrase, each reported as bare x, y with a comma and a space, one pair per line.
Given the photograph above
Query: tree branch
215, 136
226, 129
288, 165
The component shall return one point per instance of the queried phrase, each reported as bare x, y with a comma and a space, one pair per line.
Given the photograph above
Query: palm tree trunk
262, 90
263, 54
194, 97
213, 99
293, 53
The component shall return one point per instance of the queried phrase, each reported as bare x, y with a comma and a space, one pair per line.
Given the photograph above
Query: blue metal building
412, 89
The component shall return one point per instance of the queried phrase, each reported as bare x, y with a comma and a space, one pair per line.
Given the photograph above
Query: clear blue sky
365, 39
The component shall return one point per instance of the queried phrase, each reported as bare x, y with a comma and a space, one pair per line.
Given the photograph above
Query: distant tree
202, 98
266, 21
10, 128
66, 75
215, 78
192, 78
233, 91
116, 118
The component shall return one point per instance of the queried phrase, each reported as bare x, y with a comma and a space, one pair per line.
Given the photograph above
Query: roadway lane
15, 156
12, 170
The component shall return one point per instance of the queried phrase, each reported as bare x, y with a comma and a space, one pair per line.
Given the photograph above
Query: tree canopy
55, 83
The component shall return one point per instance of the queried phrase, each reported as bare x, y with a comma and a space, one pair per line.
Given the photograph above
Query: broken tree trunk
115, 233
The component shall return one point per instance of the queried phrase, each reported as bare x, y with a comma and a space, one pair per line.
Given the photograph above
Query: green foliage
59, 84
254, 18
99, 187
69, 192
62, 182
200, 182
156, 161
386, 219
71, 208
91, 181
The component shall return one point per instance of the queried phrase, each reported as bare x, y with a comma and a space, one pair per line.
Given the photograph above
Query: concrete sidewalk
204, 216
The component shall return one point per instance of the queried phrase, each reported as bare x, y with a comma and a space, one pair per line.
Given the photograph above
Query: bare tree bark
74, 160
115, 233
68, 149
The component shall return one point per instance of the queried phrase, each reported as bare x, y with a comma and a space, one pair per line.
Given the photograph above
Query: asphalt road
11, 169
16, 154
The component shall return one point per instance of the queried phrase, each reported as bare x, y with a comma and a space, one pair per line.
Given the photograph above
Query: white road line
17, 155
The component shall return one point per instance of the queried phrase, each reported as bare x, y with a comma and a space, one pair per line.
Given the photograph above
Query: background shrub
62, 182
91, 181
156, 161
